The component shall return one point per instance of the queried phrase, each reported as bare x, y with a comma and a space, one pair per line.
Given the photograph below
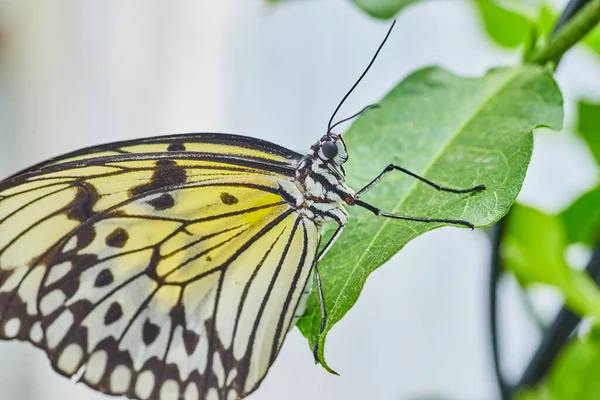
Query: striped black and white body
320, 180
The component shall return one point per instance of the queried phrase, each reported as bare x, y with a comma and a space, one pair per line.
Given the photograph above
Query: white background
76, 73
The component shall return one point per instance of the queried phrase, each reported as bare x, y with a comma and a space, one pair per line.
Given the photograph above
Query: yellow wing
161, 269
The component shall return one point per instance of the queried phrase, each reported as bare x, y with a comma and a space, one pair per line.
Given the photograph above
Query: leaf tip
327, 368
319, 356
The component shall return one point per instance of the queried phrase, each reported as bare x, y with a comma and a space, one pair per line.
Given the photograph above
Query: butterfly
173, 267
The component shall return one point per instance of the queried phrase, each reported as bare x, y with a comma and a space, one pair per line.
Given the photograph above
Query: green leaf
456, 131
533, 248
533, 394
593, 40
526, 8
547, 18
507, 26
588, 125
534, 245
383, 9
582, 218
574, 375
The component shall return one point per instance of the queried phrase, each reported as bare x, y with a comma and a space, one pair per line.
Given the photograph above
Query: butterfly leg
320, 256
380, 213
323, 313
393, 167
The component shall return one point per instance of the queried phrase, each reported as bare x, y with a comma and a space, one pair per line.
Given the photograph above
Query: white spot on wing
212, 394
231, 376
95, 367
30, 287
218, 369
71, 244
120, 379
36, 334
52, 301
191, 392
70, 358
169, 390
59, 328
58, 271
144, 385
77, 375
11, 328
232, 395
13, 280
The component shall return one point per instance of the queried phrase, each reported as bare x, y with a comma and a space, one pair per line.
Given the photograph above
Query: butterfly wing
161, 269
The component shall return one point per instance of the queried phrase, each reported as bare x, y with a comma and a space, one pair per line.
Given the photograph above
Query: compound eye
329, 149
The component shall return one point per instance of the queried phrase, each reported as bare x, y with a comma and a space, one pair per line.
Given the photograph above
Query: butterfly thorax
320, 182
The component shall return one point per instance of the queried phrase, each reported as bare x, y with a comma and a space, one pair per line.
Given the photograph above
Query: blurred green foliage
505, 26
574, 375
383, 9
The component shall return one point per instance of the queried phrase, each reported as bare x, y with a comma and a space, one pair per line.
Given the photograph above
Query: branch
496, 269
572, 32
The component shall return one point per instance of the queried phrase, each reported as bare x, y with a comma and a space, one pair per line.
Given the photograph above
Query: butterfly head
331, 149
321, 171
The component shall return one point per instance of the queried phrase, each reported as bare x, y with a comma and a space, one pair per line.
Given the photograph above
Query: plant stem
571, 9
496, 269
571, 33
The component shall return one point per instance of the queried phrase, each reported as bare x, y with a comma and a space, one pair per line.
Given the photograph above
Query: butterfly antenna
329, 125
361, 112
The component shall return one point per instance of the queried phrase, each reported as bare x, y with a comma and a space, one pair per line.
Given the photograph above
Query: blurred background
74, 73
